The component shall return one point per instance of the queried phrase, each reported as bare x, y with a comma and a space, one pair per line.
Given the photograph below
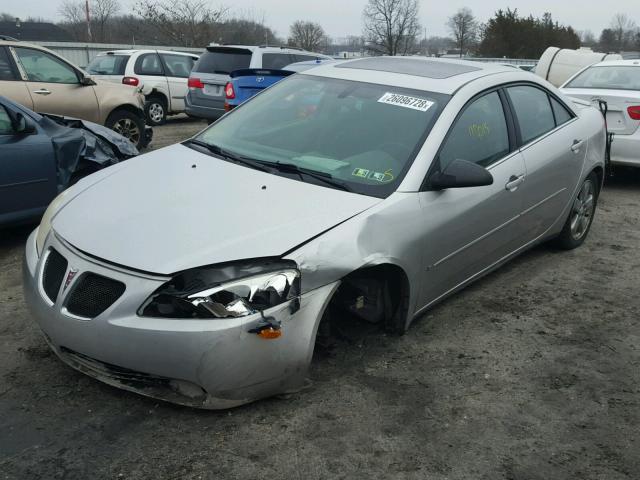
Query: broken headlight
195, 294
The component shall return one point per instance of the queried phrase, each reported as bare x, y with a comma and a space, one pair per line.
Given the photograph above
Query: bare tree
391, 26
190, 23
307, 35
624, 29
587, 38
101, 13
464, 28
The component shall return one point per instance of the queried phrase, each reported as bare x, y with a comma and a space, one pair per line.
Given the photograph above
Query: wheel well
376, 294
127, 108
599, 171
160, 95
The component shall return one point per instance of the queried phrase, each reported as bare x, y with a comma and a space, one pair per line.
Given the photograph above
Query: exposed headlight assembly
208, 293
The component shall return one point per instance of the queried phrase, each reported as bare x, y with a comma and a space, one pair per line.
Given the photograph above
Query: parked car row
373, 188
45, 82
211, 73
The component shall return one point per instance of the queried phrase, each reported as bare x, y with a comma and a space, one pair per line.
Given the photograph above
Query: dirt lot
533, 373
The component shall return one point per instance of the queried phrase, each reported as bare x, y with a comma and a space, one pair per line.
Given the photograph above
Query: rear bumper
625, 150
209, 364
213, 112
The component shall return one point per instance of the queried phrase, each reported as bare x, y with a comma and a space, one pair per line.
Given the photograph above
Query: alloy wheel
156, 112
583, 210
128, 129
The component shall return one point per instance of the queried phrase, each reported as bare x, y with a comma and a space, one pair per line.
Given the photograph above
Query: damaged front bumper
214, 363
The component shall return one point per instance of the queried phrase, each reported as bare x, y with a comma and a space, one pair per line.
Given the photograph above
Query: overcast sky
344, 17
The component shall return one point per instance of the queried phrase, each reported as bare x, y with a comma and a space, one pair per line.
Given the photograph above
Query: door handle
577, 144
514, 182
42, 91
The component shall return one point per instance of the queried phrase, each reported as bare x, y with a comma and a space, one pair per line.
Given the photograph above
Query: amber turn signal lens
270, 333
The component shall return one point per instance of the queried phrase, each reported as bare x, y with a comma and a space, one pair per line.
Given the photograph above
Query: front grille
93, 295
54, 269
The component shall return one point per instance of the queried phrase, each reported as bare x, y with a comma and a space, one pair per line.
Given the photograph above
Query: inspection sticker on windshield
406, 101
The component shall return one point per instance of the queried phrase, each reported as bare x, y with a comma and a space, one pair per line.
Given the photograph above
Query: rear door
11, 84
472, 229
27, 172
554, 149
177, 68
212, 69
150, 69
55, 85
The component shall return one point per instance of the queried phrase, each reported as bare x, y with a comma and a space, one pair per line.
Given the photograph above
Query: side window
6, 68
276, 60
533, 111
177, 65
148, 64
480, 134
5, 122
559, 110
303, 58
43, 67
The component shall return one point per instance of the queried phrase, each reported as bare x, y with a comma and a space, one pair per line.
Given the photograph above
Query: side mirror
460, 174
86, 81
22, 126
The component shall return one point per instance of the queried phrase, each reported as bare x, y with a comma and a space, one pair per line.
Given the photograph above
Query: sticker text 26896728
406, 101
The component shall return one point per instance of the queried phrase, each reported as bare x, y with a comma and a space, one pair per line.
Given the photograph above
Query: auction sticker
406, 101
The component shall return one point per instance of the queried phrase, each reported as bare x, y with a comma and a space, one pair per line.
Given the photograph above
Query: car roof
618, 63
132, 52
421, 73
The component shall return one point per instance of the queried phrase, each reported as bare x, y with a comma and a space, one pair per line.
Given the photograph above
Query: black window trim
521, 144
12, 65
509, 118
165, 66
138, 64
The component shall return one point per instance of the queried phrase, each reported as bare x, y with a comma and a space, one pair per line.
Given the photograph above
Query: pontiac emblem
70, 275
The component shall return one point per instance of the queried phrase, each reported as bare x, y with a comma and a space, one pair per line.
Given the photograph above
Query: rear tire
155, 110
578, 224
129, 125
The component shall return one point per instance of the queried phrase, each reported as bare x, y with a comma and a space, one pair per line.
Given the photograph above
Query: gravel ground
532, 373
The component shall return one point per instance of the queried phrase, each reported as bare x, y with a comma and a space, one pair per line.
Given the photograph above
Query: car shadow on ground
13, 236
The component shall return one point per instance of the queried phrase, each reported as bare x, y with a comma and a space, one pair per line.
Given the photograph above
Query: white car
618, 84
161, 74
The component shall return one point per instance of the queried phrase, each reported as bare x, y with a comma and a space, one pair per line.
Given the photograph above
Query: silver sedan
201, 272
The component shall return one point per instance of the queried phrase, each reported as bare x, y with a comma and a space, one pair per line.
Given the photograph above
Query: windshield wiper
227, 155
322, 176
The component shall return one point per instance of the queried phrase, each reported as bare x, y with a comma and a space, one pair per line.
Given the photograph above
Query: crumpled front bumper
202, 363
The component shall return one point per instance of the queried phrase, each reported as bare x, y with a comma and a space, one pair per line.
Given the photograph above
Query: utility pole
86, 9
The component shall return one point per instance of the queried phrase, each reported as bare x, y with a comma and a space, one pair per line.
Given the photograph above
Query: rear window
614, 78
223, 61
108, 65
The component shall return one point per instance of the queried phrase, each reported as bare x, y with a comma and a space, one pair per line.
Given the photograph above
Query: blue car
41, 155
248, 82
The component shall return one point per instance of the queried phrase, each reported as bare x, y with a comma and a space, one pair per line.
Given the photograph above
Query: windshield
108, 65
362, 135
223, 61
613, 78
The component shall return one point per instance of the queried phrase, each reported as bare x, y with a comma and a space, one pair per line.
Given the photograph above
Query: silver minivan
210, 74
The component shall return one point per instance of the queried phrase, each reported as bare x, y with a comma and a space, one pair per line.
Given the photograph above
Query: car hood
177, 208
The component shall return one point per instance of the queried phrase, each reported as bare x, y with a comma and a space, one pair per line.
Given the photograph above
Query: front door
472, 229
27, 172
55, 86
